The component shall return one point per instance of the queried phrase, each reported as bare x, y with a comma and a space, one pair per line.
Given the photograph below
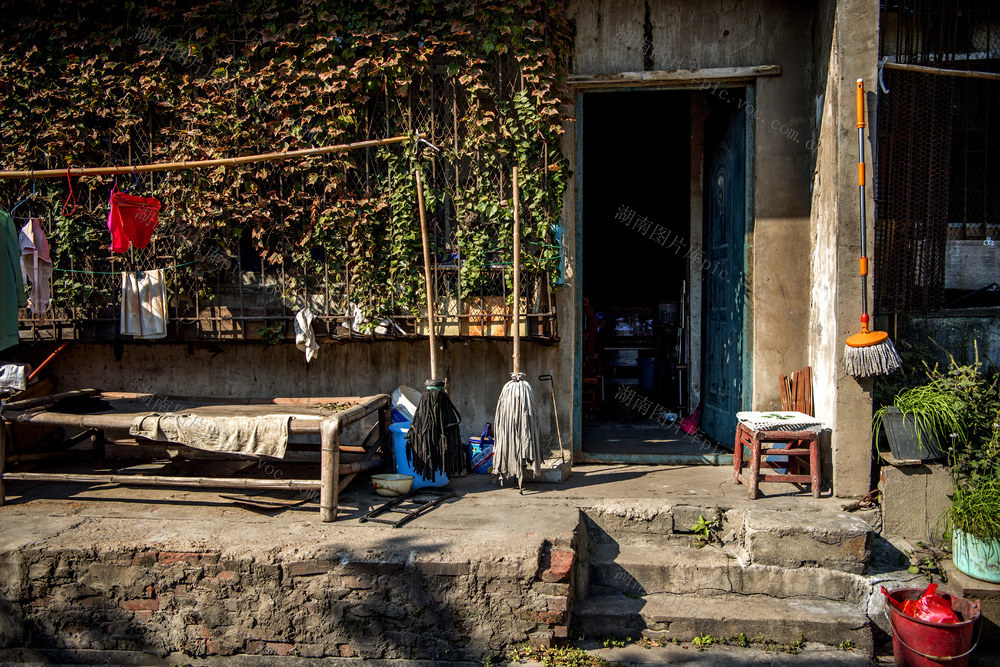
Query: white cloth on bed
265, 435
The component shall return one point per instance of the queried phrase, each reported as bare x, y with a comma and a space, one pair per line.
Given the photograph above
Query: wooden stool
797, 445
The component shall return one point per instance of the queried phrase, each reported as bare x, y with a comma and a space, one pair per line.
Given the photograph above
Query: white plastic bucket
404, 403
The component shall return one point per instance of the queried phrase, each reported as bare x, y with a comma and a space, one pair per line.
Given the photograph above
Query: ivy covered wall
93, 83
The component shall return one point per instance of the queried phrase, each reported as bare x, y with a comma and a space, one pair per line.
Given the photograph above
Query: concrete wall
476, 371
848, 31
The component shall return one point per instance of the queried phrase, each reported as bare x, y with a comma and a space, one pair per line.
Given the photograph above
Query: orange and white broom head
869, 352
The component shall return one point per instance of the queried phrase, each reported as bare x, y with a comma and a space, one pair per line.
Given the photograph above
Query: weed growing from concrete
706, 530
614, 642
702, 642
558, 656
848, 645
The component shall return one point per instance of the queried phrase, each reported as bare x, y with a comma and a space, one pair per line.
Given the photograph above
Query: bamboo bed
323, 416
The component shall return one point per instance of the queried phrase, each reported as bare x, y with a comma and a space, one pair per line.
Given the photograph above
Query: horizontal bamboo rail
943, 71
198, 164
158, 480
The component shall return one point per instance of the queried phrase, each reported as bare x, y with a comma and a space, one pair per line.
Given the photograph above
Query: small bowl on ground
391, 485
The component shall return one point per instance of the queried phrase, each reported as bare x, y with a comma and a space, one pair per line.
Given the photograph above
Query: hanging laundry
132, 220
11, 283
144, 304
36, 265
305, 338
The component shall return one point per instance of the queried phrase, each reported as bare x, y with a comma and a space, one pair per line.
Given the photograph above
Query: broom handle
863, 263
427, 274
517, 275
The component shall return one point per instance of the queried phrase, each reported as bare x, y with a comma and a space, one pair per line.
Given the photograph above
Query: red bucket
918, 643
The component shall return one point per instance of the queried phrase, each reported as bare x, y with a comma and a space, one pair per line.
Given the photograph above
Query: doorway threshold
616, 442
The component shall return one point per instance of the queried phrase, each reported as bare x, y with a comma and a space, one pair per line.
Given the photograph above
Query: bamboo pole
159, 480
217, 162
942, 71
427, 274
517, 275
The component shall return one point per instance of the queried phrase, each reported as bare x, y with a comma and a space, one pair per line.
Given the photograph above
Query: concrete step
837, 541
643, 569
684, 616
783, 538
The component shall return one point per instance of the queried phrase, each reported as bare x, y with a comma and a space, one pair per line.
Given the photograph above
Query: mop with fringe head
433, 441
515, 426
869, 352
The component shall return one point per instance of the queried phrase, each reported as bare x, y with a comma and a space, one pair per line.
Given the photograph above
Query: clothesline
218, 162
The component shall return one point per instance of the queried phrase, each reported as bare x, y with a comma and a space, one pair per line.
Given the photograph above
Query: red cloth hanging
132, 220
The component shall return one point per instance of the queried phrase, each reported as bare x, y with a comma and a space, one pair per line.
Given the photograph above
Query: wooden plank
797, 479
683, 77
783, 387
810, 407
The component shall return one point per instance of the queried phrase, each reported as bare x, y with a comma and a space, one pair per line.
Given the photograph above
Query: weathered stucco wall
476, 371
850, 29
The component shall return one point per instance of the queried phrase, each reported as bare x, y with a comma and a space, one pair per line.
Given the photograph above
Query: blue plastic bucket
403, 467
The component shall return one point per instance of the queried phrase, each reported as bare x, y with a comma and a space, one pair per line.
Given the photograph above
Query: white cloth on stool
305, 337
779, 420
144, 304
36, 265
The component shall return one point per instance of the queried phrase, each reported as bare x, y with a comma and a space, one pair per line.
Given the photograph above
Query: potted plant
917, 420
974, 515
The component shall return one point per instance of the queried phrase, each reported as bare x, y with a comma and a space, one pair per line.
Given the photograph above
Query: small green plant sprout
702, 642
848, 645
738, 640
614, 642
796, 646
705, 529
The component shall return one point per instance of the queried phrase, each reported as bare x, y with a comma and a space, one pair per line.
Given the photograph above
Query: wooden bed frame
325, 416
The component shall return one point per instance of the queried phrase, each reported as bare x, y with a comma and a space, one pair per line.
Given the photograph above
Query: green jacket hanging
12, 294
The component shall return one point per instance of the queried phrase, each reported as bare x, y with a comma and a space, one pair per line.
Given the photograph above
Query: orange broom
869, 352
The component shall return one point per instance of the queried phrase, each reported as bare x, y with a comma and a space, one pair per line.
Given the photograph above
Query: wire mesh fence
230, 282
938, 136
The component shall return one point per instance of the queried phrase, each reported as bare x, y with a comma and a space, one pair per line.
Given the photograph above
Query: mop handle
863, 262
517, 275
427, 273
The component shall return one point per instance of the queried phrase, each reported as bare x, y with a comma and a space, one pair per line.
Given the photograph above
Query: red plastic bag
929, 607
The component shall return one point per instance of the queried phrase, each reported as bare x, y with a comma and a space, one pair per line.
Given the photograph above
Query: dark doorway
636, 224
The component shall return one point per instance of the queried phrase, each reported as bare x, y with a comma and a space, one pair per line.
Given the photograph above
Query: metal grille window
938, 144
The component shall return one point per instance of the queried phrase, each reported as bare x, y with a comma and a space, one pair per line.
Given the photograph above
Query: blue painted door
723, 266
